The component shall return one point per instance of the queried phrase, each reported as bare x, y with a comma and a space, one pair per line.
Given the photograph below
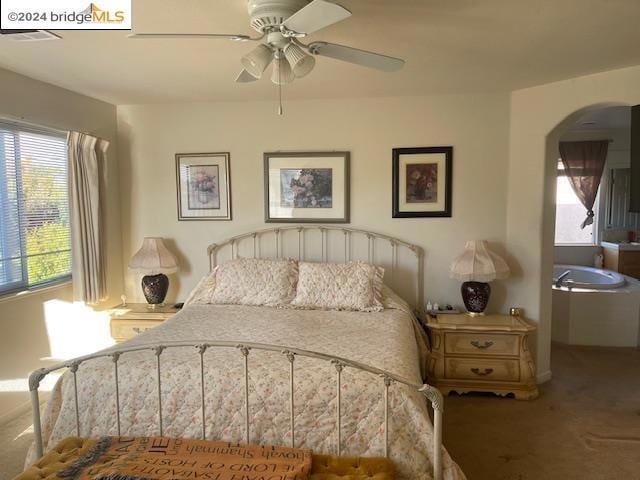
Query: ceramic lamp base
155, 288
475, 296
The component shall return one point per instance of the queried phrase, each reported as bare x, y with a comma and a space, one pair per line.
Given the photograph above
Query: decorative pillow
339, 286
255, 281
204, 290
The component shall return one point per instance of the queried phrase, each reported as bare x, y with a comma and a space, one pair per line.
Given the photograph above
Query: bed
338, 382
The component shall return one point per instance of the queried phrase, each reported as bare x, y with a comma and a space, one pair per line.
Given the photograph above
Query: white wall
477, 127
575, 254
539, 116
24, 340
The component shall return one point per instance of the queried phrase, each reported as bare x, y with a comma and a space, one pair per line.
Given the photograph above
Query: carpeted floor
15, 438
585, 425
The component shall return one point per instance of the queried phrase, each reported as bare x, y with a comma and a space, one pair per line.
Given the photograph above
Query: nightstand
487, 353
134, 318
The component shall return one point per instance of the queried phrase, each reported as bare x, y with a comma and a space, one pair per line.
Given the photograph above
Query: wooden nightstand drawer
481, 344
485, 353
122, 330
135, 318
490, 369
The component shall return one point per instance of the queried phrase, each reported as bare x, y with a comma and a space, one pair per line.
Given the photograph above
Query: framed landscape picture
203, 182
311, 187
422, 182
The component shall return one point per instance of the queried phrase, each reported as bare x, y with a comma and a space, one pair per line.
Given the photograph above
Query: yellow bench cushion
324, 467
329, 467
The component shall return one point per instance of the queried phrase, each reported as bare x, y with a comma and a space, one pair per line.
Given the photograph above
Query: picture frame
203, 184
422, 182
307, 187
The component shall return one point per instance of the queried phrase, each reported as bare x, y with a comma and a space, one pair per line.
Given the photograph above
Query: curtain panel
87, 180
583, 164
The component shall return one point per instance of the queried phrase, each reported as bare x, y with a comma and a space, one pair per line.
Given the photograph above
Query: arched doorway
550, 250
537, 116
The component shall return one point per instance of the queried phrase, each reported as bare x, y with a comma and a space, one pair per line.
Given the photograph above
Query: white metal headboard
326, 243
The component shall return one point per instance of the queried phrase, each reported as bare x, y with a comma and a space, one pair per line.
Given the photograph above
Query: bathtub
592, 306
587, 277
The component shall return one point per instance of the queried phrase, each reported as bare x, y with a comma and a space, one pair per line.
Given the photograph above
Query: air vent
270, 14
29, 35
261, 23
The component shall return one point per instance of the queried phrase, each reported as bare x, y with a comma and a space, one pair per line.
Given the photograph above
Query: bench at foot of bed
71, 450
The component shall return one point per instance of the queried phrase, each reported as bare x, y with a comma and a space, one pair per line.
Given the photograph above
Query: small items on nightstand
435, 309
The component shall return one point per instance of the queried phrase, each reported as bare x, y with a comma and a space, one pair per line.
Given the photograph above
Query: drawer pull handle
476, 344
487, 371
138, 329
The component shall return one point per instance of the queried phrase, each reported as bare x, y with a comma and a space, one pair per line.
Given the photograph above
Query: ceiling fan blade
221, 36
245, 77
315, 16
359, 57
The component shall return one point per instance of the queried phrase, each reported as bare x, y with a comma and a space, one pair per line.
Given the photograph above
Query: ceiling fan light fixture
282, 72
301, 63
257, 60
245, 77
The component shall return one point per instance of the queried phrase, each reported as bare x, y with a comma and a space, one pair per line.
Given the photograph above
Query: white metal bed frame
244, 348
373, 241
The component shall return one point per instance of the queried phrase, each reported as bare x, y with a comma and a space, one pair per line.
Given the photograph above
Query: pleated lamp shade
153, 258
479, 264
256, 61
300, 62
282, 72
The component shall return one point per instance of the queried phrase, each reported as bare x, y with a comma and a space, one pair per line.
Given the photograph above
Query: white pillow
339, 286
254, 281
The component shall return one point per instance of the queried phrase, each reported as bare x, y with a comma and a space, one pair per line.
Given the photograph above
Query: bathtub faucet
558, 282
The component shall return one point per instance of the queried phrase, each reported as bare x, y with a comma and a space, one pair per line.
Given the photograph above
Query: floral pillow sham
339, 286
249, 281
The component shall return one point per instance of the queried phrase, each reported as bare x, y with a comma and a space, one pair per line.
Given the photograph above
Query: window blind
35, 235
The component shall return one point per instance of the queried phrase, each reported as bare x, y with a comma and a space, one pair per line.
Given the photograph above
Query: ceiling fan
281, 24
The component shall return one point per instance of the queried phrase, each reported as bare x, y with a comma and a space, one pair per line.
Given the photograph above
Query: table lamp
155, 261
476, 267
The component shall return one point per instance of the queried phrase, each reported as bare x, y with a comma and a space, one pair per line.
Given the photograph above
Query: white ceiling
455, 46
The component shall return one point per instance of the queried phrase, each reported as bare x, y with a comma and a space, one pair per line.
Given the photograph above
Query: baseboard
21, 409
543, 377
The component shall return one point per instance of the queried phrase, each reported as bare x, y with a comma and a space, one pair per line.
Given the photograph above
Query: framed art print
204, 186
310, 187
422, 182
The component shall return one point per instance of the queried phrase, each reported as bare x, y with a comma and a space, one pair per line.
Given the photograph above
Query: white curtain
87, 157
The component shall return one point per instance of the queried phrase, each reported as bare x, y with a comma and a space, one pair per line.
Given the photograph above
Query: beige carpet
585, 425
15, 438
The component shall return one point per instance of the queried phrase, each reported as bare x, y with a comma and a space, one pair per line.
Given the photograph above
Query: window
570, 213
35, 237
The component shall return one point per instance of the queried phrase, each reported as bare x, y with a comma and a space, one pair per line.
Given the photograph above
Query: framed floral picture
311, 187
204, 186
422, 182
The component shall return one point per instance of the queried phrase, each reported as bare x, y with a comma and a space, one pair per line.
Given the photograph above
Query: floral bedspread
386, 340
